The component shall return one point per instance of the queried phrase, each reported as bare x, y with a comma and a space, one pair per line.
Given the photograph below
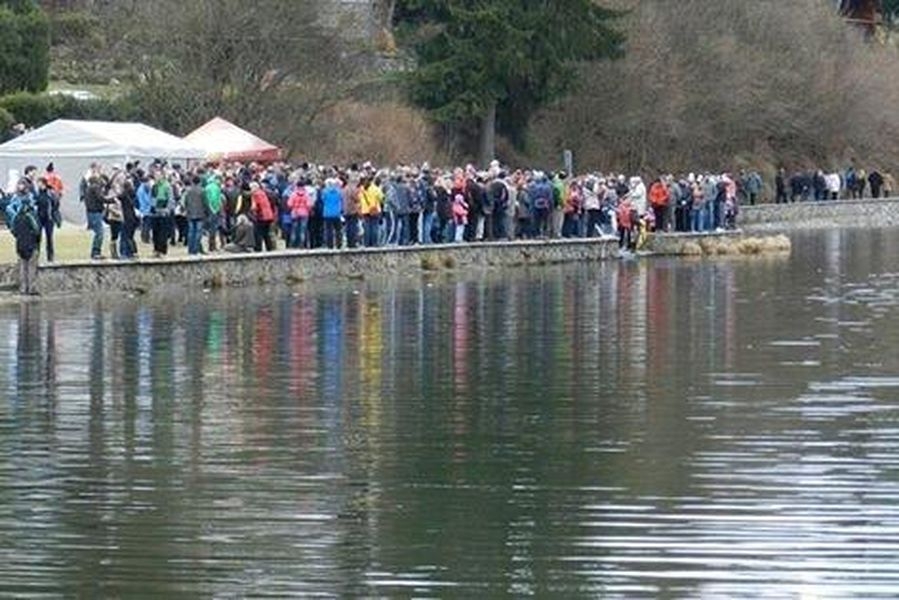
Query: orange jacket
658, 194
54, 182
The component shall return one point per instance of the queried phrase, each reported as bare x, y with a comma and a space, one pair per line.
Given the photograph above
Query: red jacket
625, 214
658, 194
262, 208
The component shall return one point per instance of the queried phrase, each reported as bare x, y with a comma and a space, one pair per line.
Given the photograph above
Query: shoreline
825, 214
144, 276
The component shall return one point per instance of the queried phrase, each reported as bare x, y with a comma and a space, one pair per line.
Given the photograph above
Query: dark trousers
48, 235
593, 220
264, 236
179, 230
499, 225
541, 222
352, 231
412, 219
488, 227
127, 247
661, 213
115, 232
372, 231
145, 229
626, 238
161, 226
332, 232
570, 225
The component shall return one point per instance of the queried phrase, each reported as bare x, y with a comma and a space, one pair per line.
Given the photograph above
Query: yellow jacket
371, 199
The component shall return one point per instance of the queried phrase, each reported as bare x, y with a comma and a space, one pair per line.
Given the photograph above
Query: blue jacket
541, 194
144, 199
332, 202
15, 206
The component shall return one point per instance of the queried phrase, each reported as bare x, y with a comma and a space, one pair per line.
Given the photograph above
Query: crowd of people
817, 185
254, 207
242, 208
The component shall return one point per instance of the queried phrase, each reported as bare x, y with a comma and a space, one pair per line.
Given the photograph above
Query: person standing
443, 209
658, 197
94, 204
699, 207
541, 195
351, 210
754, 185
592, 190
145, 207
299, 206
780, 187
54, 181
231, 202
498, 194
197, 213
371, 198
22, 217
49, 217
889, 184
263, 215
161, 215
130, 221
833, 183
560, 200
626, 214
332, 208
214, 204
113, 213
875, 180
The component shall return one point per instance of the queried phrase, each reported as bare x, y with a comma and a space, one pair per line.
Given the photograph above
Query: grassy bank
72, 244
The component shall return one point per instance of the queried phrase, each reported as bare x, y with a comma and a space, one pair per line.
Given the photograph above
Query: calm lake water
653, 429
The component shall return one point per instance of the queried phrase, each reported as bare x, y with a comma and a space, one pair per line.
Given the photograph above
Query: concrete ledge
291, 267
821, 215
242, 270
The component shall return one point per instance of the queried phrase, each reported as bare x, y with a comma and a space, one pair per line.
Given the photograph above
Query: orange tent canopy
224, 140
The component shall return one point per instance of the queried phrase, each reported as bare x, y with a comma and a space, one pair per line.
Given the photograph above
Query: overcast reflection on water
654, 429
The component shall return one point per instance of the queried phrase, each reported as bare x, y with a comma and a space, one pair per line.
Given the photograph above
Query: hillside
701, 85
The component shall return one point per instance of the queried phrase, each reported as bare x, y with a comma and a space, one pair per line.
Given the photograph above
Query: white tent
73, 145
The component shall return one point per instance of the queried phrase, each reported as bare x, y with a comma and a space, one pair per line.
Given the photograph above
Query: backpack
27, 231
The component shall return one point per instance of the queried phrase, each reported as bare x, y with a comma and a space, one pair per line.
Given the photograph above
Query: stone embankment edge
294, 267
820, 215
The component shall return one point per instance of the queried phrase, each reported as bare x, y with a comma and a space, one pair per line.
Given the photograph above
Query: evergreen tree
495, 62
24, 46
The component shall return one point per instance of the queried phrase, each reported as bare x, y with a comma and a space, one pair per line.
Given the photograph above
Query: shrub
39, 109
73, 27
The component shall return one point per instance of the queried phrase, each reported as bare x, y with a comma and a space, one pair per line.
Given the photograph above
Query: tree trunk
488, 135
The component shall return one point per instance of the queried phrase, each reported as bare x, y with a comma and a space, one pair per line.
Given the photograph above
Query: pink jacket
460, 210
298, 203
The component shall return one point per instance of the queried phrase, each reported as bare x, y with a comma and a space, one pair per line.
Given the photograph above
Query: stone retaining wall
821, 215
233, 270
241, 270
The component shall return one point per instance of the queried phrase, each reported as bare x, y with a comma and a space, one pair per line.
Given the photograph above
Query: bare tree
268, 64
707, 84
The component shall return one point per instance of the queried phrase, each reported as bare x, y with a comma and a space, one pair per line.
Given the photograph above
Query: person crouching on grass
22, 217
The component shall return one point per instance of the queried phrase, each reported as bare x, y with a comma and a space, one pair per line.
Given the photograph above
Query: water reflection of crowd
327, 397
304, 343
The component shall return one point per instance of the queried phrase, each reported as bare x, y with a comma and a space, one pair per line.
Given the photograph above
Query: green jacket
162, 194
214, 197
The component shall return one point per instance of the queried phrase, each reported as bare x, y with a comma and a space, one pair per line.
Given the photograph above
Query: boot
114, 251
